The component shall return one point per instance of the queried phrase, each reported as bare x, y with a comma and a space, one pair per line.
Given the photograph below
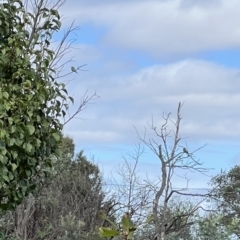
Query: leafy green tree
67, 205
31, 99
78, 191
209, 228
226, 197
83, 182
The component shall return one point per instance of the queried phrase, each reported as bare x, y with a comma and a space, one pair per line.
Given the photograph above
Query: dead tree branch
172, 158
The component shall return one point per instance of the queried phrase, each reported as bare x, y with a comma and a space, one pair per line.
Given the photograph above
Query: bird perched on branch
185, 151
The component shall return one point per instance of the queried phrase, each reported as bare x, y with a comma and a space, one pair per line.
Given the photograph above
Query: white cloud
86, 53
163, 28
210, 92
100, 137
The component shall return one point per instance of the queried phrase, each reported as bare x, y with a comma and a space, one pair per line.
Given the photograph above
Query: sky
143, 58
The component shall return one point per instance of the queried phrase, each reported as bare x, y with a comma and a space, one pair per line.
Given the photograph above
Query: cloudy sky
143, 58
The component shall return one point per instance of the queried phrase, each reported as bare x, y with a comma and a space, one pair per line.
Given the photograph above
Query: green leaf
14, 166
28, 147
2, 143
31, 129
127, 223
3, 150
63, 113
107, 232
38, 143
5, 177
104, 216
7, 106
18, 142
18, 51
10, 141
71, 99
5, 94
10, 121
149, 219
56, 137
28, 173
130, 235
13, 128
2, 133
10, 176
14, 154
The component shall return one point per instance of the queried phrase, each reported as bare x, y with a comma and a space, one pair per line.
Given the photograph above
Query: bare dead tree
132, 196
172, 158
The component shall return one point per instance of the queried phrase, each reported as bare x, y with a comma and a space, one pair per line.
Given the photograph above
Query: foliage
179, 218
31, 100
68, 206
124, 230
226, 196
209, 227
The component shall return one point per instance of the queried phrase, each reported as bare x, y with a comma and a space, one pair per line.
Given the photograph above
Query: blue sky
143, 57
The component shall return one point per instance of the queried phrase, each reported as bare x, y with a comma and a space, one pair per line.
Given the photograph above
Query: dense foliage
226, 186
67, 205
30, 99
